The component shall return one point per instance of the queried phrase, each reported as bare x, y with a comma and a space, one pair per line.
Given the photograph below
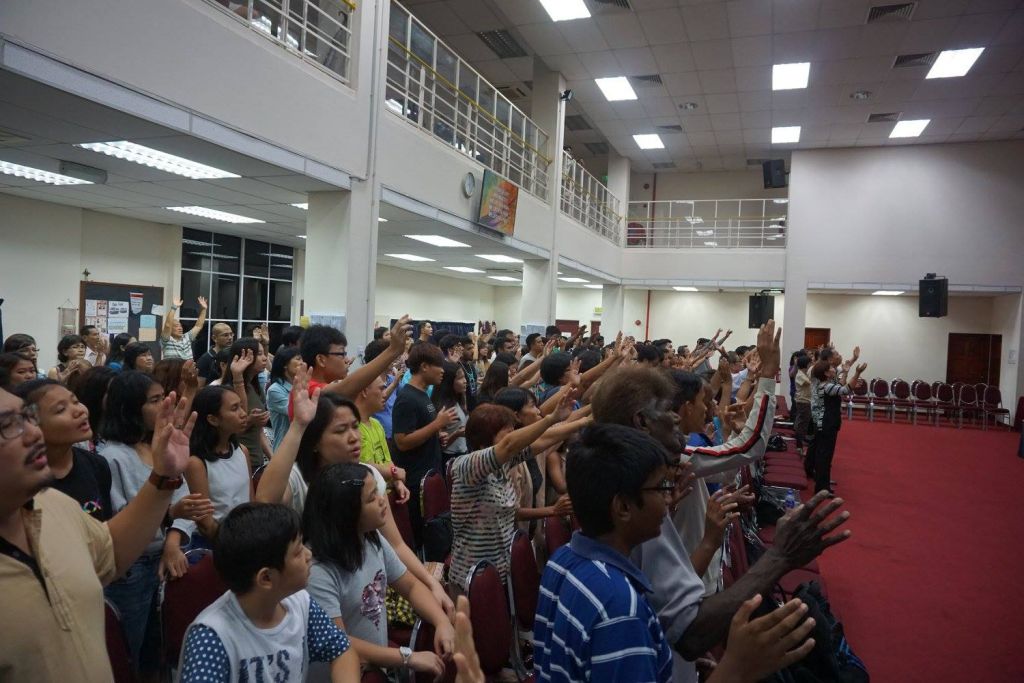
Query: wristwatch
406, 655
165, 483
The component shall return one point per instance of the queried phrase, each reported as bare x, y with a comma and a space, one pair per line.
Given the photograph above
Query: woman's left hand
402, 493
444, 641
441, 595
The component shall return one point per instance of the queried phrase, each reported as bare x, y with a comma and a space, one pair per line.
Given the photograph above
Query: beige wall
423, 295
709, 185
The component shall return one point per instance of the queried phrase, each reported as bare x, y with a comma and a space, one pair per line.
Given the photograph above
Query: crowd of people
290, 463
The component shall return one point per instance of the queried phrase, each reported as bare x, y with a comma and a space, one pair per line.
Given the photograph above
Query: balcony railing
588, 200
707, 224
318, 31
432, 87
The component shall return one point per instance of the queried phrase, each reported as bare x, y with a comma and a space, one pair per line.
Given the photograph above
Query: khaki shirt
57, 634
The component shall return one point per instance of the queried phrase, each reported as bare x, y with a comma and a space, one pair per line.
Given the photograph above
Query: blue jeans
134, 595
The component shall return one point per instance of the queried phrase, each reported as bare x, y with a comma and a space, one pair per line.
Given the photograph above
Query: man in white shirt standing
174, 341
96, 345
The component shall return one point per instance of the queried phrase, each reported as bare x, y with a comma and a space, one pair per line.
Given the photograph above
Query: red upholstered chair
902, 399
400, 513
117, 645
636, 235
967, 404
423, 641
184, 598
373, 676
556, 534
923, 402
523, 592
880, 398
859, 397
781, 407
945, 402
489, 614
434, 498
992, 404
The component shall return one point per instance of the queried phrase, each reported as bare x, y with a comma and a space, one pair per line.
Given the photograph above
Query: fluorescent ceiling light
381, 219
499, 258
616, 89
213, 214
649, 141
504, 278
780, 201
301, 237
886, 292
711, 244
594, 286
409, 257
953, 63
785, 134
685, 289
437, 240
154, 158
564, 10
464, 269
303, 206
790, 76
40, 175
909, 129
576, 280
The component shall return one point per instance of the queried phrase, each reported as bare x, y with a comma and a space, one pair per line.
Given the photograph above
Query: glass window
281, 262
224, 298
193, 286
254, 299
226, 251
280, 301
257, 258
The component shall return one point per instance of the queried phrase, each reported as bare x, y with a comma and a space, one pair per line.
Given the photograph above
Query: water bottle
790, 500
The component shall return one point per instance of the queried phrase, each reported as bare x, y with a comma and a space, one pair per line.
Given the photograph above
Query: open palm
171, 436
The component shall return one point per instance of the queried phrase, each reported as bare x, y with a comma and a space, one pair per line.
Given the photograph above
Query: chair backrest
257, 475
979, 389
880, 388
935, 388
185, 598
901, 389
967, 395
434, 498
400, 513
117, 646
556, 534
993, 397
956, 388
860, 388
523, 579
422, 640
488, 612
922, 391
945, 393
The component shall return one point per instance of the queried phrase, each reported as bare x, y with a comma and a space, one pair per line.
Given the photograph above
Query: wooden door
569, 326
816, 336
973, 358
595, 328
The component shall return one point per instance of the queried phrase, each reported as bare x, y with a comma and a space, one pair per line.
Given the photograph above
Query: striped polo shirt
593, 620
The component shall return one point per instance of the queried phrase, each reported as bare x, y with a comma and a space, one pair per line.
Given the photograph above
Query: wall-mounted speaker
933, 297
762, 309
774, 173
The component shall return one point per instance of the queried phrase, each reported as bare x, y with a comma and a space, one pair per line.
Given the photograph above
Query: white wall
428, 296
706, 185
1006, 321
508, 311
684, 317
578, 304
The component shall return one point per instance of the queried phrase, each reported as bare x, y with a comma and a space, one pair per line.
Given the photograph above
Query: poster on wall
498, 201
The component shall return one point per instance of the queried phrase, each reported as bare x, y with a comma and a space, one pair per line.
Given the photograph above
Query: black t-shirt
207, 366
471, 388
414, 410
88, 482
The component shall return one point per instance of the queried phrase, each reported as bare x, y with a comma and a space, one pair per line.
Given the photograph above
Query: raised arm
515, 441
360, 379
273, 487
198, 327
169, 318
525, 376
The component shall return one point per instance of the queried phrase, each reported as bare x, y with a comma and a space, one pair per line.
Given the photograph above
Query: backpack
437, 538
776, 443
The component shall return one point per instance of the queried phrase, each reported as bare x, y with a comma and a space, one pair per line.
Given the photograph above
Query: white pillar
613, 306
618, 185
539, 291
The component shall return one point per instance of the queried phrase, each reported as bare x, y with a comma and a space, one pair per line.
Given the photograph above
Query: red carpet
929, 585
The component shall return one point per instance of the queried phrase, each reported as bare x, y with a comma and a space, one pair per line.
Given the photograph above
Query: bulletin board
115, 308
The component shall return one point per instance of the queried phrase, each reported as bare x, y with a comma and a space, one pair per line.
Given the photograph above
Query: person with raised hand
757, 648
175, 342
467, 663
827, 412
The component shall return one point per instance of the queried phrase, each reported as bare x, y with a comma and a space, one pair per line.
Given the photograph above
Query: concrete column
618, 184
613, 305
794, 320
539, 290
341, 259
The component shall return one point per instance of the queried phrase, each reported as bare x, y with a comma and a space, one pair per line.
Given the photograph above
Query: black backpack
776, 443
437, 538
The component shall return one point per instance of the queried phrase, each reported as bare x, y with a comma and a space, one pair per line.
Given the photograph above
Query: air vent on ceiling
755, 162
898, 12
624, 4
887, 116
675, 128
645, 81
661, 165
576, 122
597, 148
916, 59
511, 92
502, 43
9, 137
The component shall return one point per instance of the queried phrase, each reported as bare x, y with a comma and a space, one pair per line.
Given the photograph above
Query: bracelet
174, 308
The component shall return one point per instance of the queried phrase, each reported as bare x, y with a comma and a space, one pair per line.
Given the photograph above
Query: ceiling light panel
437, 240
685, 289
304, 206
409, 257
499, 258
594, 286
504, 278
39, 175
154, 158
576, 280
954, 63
616, 89
213, 214
464, 269
785, 134
909, 129
565, 10
649, 141
790, 76
886, 292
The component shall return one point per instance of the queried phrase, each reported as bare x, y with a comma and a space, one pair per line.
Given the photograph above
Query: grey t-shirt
358, 597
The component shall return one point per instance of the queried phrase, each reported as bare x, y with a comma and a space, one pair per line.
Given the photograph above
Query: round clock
469, 185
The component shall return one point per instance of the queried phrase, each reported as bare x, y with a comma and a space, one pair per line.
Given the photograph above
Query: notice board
115, 308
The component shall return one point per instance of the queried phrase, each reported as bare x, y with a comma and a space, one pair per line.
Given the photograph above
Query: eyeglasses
12, 425
667, 487
337, 353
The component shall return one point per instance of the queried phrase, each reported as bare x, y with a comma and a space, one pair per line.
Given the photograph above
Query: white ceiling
719, 55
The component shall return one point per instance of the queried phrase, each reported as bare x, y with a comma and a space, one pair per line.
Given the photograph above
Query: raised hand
303, 405
178, 302
721, 510
401, 332
684, 483
800, 534
861, 368
241, 363
466, 661
550, 346
574, 372
760, 647
202, 303
856, 354
768, 348
170, 437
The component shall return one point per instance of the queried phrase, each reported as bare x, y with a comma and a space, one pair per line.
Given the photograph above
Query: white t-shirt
300, 488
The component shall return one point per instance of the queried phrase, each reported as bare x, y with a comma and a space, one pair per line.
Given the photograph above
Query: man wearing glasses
55, 558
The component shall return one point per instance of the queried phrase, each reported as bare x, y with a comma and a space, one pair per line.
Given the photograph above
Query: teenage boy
534, 349
174, 341
266, 627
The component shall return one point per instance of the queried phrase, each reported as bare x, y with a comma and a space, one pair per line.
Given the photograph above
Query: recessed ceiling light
437, 240
886, 292
953, 63
688, 106
711, 244
409, 257
301, 237
860, 95
39, 175
464, 269
304, 206
616, 89
213, 214
504, 278
594, 286
649, 141
790, 76
909, 129
381, 219
154, 158
780, 201
499, 258
564, 10
576, 280
685, 289
785, 134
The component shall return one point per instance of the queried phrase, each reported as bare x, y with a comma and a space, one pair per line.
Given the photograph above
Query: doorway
815, 337
569, 326
595, 328
973, 358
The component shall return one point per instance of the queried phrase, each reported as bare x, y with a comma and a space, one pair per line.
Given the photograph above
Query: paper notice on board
147, 321
117, 309
97, 322
101, 308
157, 309
117, 325
90, 308
136, 298
147, 334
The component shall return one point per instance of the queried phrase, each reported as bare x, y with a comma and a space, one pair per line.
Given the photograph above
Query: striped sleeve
747, 446
471, 469
835, 389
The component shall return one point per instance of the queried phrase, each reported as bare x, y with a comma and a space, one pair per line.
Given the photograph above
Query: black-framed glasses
667, 487
337, 353
12, 425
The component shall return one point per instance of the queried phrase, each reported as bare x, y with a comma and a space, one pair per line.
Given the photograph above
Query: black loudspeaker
933, 297
762, 309
774, 173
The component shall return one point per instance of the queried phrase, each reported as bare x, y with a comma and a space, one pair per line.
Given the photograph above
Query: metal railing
432, 87
707, 224
589, 201
318, 31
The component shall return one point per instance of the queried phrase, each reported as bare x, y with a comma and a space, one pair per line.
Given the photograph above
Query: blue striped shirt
593, 620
